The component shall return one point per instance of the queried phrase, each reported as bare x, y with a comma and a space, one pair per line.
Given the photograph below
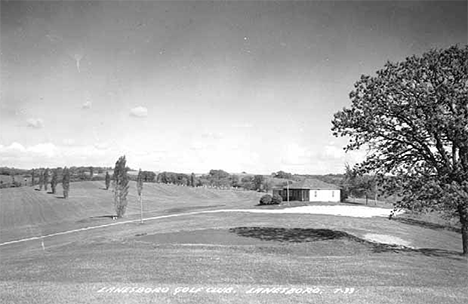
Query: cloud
44, 149
243, 125
197, 145
212, 135
12, 149
17, 149
139, 112
297, 155
329, 158
87, 105
101, 145
11, 108
48, 154
68, 142
36, 123
333, 152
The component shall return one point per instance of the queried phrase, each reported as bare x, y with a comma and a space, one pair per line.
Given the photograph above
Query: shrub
266, 200
277, 199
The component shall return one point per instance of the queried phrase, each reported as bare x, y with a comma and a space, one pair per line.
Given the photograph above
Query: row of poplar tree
120, 182
46, 177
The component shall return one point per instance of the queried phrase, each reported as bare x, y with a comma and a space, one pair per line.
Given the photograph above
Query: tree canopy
413, 119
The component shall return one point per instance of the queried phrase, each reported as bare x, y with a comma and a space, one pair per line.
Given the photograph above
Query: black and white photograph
233, 151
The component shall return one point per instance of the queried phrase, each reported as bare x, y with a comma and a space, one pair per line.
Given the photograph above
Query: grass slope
26, 212
313, 257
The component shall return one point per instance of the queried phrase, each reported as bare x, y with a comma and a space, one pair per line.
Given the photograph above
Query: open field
191, 240
27, 213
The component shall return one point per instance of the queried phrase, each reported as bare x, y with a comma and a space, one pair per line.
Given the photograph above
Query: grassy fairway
27, 213
217, 257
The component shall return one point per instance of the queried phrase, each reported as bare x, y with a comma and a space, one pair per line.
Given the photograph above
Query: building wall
325, 195
294, 194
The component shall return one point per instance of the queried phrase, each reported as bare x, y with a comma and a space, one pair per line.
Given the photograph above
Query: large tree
412, 117
120, 186
358, 185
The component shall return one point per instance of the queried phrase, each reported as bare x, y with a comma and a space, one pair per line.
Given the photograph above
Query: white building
312, 190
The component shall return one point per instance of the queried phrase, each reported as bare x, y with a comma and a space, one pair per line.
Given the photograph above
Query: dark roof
313, 184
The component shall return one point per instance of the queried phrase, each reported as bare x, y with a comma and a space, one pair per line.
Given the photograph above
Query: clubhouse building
311, 190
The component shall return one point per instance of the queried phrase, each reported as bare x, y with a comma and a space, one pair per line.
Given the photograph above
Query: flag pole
141, 209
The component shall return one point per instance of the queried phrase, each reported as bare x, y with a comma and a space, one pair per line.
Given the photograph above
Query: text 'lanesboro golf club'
221, 290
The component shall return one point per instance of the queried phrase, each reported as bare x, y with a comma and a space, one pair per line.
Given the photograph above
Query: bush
277, 199
266, 200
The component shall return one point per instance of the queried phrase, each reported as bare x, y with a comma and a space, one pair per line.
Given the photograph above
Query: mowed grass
321, 254
26, 212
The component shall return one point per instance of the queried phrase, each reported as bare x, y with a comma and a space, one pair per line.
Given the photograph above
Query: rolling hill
191, 249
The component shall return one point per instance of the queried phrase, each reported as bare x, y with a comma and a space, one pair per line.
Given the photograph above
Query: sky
189, 86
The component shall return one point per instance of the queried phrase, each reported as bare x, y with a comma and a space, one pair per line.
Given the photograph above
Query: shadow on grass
185, 209
292, 235
103, 216
60, 197
359, 204
424, 224
97, 218
302, 235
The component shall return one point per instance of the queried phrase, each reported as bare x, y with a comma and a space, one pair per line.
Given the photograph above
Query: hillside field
196, 245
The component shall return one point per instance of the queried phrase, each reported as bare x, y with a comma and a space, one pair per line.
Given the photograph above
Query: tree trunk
463, 213
141, 209
465, 238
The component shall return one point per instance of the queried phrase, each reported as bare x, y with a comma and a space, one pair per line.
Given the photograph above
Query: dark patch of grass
431, 252
301, 235
294, 235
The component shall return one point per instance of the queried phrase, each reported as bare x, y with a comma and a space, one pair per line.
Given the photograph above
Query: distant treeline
13, 177
357, 187
214, 178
